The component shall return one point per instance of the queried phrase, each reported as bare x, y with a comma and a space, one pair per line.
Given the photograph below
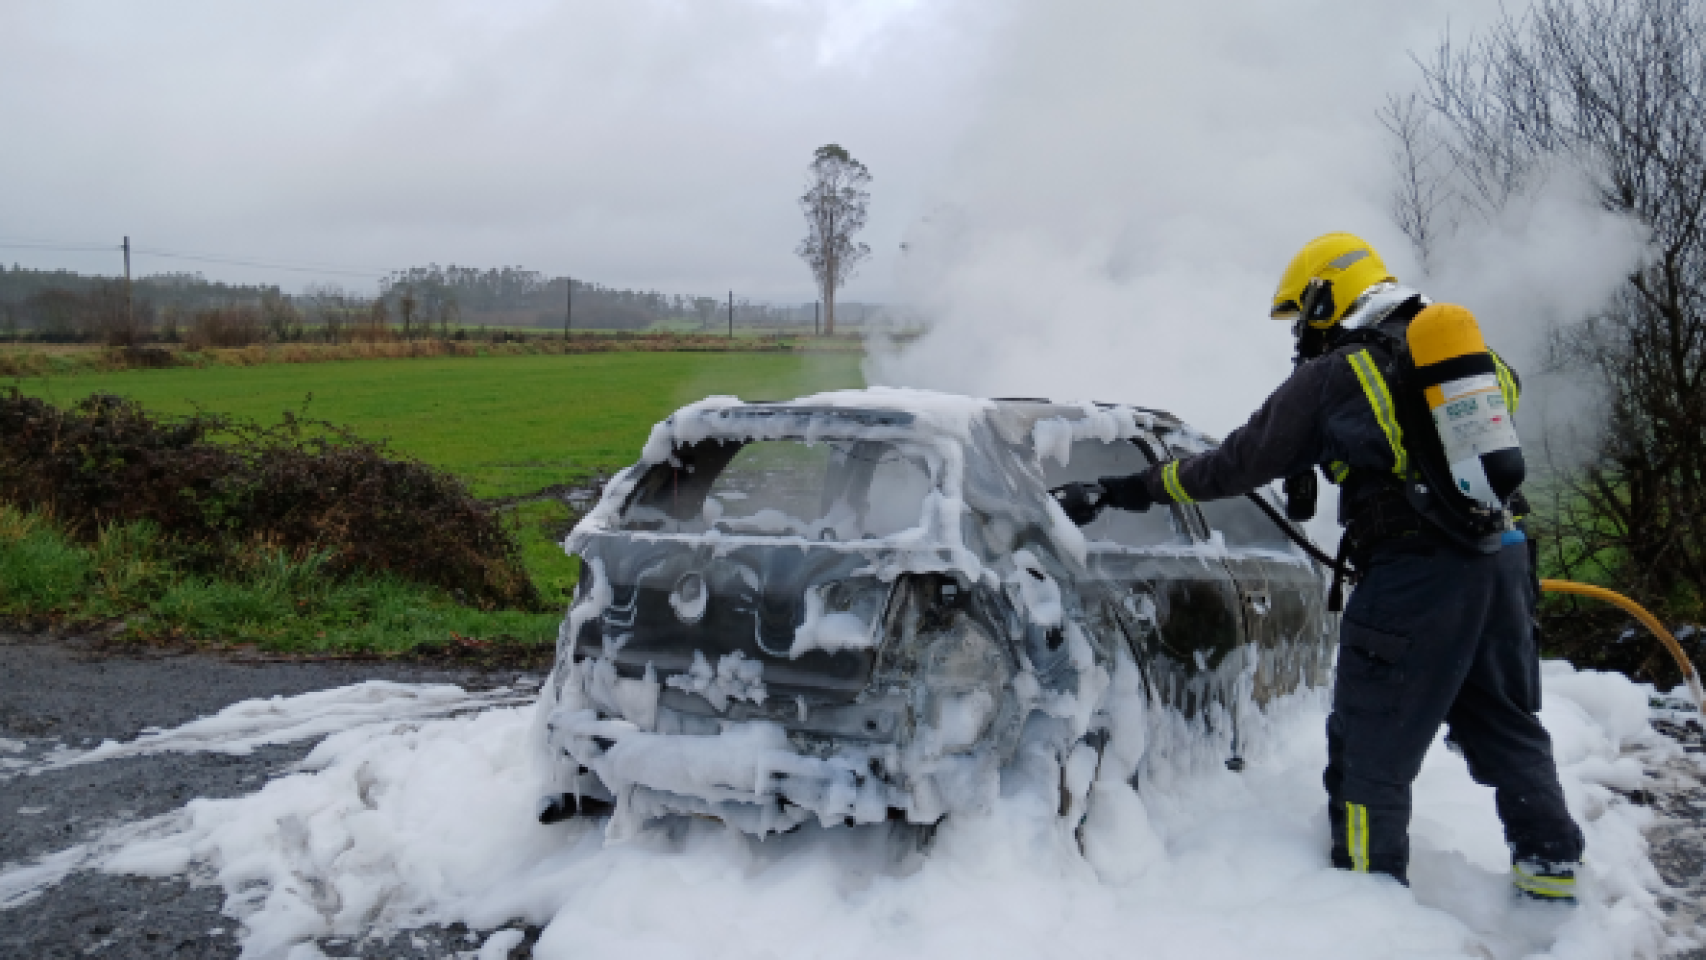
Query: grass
272, 600
40, 360
509, 425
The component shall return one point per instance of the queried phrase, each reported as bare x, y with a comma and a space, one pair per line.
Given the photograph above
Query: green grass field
510, 426
507, 425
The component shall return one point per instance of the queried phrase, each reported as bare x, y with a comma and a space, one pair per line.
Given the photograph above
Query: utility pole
569, 311
731, 314
129, 306
817, 306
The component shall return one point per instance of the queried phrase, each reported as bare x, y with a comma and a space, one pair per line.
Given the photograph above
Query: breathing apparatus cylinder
1460, 380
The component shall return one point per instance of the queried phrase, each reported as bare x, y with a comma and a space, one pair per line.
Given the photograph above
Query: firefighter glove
1081, 502
1127, 493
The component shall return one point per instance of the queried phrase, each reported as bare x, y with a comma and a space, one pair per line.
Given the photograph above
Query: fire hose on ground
1690, 676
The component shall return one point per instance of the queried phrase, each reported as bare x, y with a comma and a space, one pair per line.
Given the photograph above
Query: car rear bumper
750, 775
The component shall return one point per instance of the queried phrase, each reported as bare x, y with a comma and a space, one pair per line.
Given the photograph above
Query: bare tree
330, 307
834, 205
374, 322
706, 308
406, 305
172, 323
106, 315
1420, 159
283, 321
449, 315
55, 312
1617, 90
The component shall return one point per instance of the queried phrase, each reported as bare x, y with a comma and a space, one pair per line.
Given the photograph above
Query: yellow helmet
1325, 278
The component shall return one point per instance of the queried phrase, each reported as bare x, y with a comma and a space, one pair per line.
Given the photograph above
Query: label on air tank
1473, 419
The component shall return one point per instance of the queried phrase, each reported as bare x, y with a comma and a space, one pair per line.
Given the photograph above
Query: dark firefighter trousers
1434, 635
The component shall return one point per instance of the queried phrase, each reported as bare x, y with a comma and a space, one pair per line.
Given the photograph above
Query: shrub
223, 492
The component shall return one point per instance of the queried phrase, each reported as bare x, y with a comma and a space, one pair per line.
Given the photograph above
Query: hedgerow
220, 491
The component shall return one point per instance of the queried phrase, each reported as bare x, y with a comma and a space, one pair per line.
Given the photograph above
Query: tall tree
834, 205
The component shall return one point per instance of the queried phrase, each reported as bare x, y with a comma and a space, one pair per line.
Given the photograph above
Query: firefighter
1440, 627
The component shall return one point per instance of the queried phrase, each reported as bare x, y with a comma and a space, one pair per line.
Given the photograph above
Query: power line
21, 243
51, 245
263, 264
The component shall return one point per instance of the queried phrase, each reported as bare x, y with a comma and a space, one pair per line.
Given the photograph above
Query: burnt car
865, 606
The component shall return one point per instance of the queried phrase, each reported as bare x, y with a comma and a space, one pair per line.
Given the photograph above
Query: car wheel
1078, 769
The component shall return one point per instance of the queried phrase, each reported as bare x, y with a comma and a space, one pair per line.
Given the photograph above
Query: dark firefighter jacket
1335, 412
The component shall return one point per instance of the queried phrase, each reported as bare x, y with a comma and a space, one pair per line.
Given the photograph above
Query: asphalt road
76, 694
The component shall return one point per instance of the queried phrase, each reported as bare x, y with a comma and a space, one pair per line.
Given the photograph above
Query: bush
224, 492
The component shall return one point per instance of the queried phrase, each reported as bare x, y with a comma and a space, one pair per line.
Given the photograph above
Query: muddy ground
77, 693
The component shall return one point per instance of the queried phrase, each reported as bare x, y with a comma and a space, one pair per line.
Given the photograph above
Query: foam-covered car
865, 606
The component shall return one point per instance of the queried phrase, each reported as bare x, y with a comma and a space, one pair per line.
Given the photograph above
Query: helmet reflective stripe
1345, 260
1380, 399
1345, 263
1338, 470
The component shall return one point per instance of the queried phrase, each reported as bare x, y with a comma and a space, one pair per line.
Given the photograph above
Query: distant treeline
421, 302
513, 296
64, 307
188, 290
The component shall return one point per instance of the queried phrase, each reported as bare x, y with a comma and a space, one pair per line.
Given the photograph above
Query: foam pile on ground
241, 727
393, 825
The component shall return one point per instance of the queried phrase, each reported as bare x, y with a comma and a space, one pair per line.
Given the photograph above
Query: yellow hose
1690, 676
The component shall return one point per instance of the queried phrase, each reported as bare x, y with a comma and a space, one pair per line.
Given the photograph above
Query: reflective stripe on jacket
1335, 411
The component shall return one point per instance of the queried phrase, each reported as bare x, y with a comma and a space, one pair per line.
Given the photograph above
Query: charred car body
864, 606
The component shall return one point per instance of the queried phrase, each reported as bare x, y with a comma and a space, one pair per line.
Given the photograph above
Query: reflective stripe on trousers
1356, 835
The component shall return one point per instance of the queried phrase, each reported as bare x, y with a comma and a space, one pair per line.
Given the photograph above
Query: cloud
654, 143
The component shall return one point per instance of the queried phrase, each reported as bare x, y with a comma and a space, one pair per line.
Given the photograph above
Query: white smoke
1138, 176
1542, 263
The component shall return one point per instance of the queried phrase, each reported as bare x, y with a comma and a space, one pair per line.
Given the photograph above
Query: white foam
830, 632
241, 727
396, 826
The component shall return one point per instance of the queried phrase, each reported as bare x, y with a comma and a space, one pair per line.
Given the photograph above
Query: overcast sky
648, 143
1097, 195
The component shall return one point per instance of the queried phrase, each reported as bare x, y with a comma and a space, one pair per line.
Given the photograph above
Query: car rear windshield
820, 490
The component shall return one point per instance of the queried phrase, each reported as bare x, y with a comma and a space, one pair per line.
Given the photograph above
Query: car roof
894, 409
